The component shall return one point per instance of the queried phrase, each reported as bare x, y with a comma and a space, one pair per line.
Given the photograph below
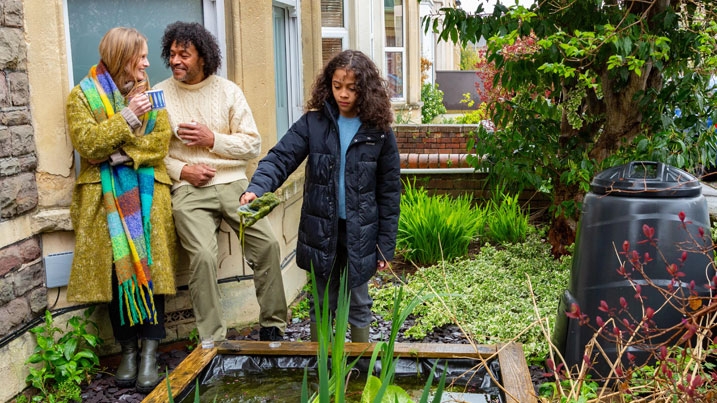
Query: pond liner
460, 372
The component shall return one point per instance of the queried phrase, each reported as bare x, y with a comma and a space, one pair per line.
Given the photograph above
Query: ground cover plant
488, 294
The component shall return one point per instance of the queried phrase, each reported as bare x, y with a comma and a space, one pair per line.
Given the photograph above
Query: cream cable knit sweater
220, 105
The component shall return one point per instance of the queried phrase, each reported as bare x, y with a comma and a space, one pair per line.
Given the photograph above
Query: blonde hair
120, 50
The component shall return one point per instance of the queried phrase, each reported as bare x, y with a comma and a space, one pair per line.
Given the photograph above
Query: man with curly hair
214, 137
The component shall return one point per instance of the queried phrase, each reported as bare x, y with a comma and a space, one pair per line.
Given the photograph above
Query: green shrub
489, 294
503, 219
66, 362
475, 116
432, 228
432, 99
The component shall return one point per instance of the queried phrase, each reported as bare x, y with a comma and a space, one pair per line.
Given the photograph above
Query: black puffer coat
373, 192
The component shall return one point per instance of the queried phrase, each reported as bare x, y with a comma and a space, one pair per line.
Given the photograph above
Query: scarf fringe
137, 303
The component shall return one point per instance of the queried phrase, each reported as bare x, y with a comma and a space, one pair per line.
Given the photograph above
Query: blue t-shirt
347, 129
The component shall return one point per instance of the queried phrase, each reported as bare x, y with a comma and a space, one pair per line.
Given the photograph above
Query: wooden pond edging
516, 383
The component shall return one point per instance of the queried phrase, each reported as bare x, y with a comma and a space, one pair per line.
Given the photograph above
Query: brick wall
22, 292
445, 146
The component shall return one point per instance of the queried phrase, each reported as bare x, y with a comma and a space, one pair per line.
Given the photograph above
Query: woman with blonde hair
121, 204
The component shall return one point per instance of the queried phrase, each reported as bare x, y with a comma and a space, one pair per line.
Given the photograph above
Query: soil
103, 388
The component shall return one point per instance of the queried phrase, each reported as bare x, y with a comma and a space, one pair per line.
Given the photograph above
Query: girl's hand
140, 104
381, 264
247, 197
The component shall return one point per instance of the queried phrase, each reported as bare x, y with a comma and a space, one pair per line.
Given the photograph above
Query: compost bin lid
646, 179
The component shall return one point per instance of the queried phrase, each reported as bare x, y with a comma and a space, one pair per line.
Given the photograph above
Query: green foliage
194, 339
432, 99
333, 373
300, 309
588, 390
403, 116
259, 208
65, 363
488, 295
197, 398
585, 86
432, 228
503, 219
469, 58
475, 116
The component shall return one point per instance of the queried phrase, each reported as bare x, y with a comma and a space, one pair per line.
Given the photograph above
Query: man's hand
197, 175
195, 134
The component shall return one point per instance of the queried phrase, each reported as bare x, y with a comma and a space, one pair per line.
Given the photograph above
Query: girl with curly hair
352, 190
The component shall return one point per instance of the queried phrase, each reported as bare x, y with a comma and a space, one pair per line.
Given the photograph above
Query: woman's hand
140, 104
247, 197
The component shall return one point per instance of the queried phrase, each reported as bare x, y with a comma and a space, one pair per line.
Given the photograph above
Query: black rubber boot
147, 375
271, 333
127, 371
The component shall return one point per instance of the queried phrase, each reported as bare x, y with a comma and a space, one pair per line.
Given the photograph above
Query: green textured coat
91, 275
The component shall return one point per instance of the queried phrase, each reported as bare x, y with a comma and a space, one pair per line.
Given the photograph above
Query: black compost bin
621, 201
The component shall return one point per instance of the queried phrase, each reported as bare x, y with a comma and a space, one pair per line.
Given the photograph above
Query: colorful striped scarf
127, 195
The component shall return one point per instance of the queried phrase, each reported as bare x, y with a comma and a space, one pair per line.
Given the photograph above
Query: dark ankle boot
359, 334
127, 371
147, 375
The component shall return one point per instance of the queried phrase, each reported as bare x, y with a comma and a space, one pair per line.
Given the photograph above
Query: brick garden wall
23, 295
443, 147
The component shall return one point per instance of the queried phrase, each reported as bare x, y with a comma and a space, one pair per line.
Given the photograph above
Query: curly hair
372, 100
186, 33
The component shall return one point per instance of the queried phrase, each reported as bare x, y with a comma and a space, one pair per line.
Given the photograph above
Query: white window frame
339, 32
395, 49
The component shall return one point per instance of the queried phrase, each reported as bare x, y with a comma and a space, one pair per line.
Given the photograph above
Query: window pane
393, 15
330, 47
332, 13
89, 20
394, 73
280, 72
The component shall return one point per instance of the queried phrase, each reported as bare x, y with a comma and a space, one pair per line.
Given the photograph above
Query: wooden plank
420, 350
515, 374
184, 374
